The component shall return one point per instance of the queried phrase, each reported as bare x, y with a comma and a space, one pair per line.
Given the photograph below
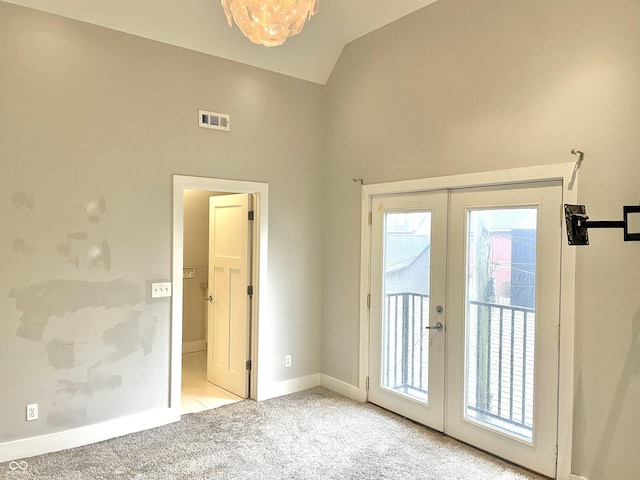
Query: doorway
438, 352
464, 307
205, 332
195, 348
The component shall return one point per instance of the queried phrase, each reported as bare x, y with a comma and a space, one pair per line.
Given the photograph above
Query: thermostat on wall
189, 272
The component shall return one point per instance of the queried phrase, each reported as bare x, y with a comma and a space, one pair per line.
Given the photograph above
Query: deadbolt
439, 309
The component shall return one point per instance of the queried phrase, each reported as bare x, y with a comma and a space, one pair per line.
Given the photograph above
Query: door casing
259, 251
566, 173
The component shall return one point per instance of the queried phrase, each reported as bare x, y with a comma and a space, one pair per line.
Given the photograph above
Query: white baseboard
343, 388
195, 346
294, 385
578, 477
29, 447
286, 387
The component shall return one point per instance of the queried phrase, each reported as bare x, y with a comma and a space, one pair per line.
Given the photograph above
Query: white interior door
407, 294
229, 307
484, 263
504, 312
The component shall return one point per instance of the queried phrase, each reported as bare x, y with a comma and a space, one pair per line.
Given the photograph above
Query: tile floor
197, 393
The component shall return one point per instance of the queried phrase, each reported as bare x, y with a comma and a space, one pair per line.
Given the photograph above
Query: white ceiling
201, 25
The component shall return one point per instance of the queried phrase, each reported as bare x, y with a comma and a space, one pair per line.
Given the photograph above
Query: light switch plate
159, 290
189, 272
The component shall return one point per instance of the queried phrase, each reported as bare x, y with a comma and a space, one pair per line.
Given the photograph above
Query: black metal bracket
578, 224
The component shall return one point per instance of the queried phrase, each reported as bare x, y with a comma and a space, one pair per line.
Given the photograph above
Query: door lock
438, 326
209, 298
439, 309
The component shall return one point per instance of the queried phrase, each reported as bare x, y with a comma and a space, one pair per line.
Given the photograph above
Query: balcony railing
500, 378
500, 359
405, 356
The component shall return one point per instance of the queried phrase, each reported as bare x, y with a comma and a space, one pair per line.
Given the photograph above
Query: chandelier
269, 22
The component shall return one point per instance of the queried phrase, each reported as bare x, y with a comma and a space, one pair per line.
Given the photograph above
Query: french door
464, 315
408, 269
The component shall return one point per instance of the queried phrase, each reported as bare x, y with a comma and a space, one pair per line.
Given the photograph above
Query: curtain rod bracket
356, 180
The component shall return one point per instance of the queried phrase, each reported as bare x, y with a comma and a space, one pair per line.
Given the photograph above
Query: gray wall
93, 125
196, 254
464, 86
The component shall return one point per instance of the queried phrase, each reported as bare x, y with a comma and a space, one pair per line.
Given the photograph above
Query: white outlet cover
32, 412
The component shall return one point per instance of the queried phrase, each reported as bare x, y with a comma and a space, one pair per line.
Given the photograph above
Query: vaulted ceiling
201, 25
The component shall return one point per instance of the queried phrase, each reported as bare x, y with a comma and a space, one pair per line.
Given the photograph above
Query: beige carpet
315, 434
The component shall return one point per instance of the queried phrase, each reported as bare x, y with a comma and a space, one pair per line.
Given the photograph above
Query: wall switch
287, 361
159, 290
32, 412
189, 272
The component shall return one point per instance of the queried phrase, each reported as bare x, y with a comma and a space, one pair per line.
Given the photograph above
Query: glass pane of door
406, 282
500, 319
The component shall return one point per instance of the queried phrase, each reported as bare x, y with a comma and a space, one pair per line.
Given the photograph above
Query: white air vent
219, 121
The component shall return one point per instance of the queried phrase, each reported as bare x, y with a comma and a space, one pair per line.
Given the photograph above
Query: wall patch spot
21, 246
23, 200
78, 236
67, 389
61, 354
56, 298
100, 256
65, 414
127, 337
95, 209
64, 249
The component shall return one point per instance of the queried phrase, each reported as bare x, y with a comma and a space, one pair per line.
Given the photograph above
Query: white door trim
258, 274
566, 173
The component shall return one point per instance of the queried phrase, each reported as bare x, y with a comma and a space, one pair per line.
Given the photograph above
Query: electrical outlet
32, 412
287, 361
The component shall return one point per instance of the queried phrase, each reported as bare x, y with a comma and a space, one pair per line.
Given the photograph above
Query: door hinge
367, 383
368, 300
249, 364
370, 218
250, 290
251, 214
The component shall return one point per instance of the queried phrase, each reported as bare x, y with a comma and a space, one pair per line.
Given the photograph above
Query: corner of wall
351, 391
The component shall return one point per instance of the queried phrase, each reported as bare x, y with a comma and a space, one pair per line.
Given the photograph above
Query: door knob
438, 326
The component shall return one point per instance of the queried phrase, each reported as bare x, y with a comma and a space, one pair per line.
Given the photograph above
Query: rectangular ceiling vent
218, 121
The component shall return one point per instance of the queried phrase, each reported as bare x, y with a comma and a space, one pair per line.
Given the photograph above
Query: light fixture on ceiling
269, 22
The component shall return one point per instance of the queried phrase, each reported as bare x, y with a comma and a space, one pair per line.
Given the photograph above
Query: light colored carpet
315, 434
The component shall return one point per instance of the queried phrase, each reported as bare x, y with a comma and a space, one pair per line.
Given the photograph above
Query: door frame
566, 173
259, 249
